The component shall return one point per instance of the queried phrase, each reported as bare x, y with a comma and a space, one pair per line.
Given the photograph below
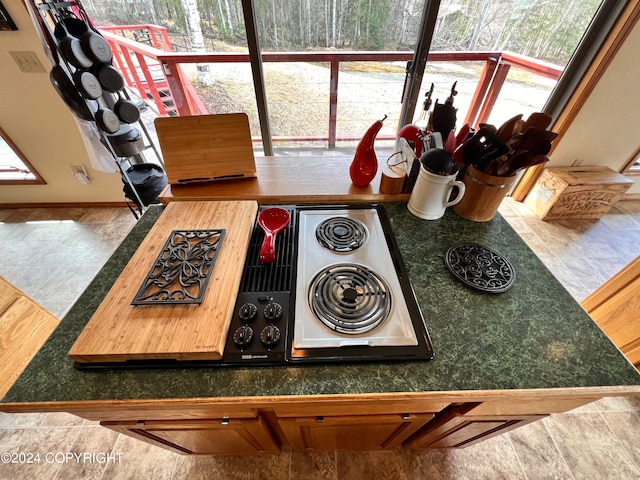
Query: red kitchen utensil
273, 221
463, 134
450, 144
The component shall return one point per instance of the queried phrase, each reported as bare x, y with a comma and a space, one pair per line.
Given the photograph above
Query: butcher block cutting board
202, 148
119, 331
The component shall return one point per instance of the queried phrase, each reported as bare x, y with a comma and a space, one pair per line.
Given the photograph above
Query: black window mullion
415, 69
258, 77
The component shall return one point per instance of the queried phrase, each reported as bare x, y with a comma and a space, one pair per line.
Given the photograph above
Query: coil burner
341, 234
350, 298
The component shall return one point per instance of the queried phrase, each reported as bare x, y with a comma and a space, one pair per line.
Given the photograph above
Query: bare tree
334, 13
194, 29
479, 25
229, 18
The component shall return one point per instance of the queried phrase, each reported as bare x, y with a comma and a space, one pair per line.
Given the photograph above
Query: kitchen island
501, 361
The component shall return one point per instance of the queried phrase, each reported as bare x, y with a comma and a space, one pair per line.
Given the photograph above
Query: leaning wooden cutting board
119, 331
202, 148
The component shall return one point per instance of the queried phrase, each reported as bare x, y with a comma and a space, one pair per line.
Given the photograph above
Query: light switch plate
28, 62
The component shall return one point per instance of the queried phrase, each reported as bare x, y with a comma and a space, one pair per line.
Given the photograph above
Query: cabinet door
352, 432
246, 436
454, 429
614, 307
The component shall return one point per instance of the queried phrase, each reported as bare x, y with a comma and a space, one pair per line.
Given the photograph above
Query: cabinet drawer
455, 429
357, 432
220, 436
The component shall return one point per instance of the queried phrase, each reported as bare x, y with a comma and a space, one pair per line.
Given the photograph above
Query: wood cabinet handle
320, 419
225, 421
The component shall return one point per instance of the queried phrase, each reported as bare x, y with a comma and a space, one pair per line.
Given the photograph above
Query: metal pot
126, 142
148, 179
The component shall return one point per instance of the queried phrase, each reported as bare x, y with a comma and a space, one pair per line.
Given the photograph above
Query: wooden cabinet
615, 306
351, 432
221, 436
458, 427
333, 422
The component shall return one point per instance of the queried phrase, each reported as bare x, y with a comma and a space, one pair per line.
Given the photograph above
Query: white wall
40, 124
607, 129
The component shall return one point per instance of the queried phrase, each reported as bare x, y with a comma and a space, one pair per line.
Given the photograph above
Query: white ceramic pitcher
430, 196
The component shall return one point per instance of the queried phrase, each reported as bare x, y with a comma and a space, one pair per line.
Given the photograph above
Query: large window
329, 68
15, 169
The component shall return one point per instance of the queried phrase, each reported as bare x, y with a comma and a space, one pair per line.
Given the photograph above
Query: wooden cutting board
206, 147
119, 331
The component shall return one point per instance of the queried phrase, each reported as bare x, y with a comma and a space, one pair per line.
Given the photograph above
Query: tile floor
44, 248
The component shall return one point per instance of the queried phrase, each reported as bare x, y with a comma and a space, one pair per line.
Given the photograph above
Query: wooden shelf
283, 180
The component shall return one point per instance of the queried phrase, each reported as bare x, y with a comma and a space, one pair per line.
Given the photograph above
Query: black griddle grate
181, 272
276, 276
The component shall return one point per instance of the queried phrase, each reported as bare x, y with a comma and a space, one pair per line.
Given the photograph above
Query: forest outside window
330, 68
15, 169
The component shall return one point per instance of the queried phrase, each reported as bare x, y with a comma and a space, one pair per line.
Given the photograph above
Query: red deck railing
154, 71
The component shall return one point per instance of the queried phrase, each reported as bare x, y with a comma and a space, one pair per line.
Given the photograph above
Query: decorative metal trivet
480, 267
181, 272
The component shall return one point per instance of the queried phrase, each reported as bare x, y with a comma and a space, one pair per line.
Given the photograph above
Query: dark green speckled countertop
533, 336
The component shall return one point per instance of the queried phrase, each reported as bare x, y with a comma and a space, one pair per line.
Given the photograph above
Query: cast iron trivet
480, 267
181, 272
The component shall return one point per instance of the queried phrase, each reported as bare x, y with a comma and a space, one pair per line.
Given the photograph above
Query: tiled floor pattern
43, 249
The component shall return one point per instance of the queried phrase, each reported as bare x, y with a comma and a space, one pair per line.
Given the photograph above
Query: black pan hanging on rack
127, 111
79, 34
87, 83
110, 78
68, 92
58, 75
96, 46
107, 120
69, 44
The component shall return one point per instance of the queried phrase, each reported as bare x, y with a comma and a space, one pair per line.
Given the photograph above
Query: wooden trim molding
614, 285
618, 35
38, 178
628, 170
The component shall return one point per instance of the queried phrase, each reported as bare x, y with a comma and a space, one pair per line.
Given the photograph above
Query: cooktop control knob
248, 312
273, 312
243, 336
270, 335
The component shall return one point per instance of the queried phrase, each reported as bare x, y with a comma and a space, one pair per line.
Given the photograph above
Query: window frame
36, 181
615, 32
632, 167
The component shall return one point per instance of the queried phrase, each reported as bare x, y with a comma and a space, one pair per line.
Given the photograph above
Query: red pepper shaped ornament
364, 166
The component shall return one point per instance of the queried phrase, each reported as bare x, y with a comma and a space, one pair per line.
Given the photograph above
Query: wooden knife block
203, 148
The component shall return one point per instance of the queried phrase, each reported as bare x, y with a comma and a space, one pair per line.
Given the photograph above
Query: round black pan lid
480, 267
